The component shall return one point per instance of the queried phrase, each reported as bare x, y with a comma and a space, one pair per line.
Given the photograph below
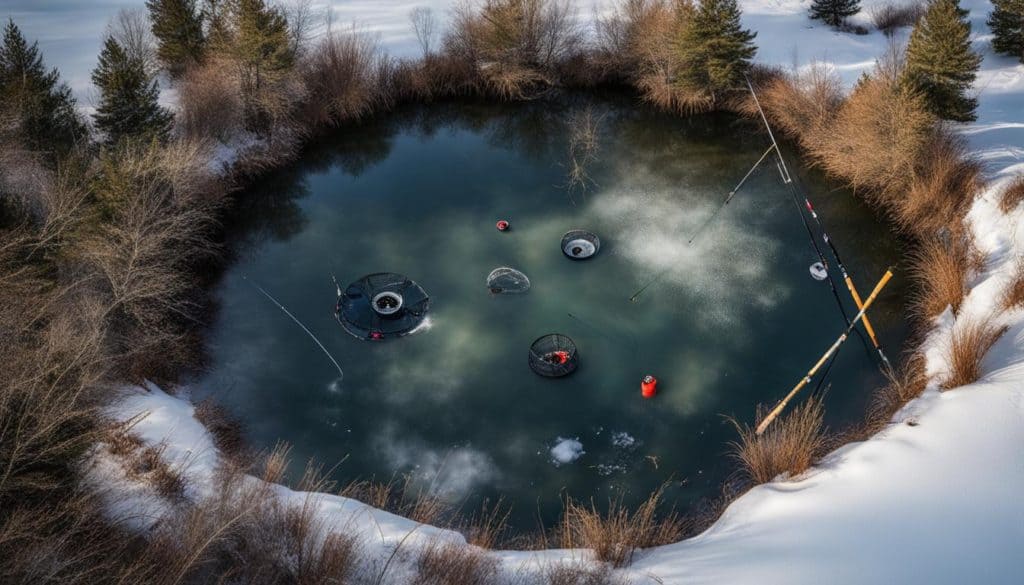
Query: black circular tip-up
382, 305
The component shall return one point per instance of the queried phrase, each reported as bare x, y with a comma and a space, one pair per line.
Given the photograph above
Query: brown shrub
1013, 195
939, 270
210, 103
615, 535
636, 41
342, 79
876, 142
447, 563
889, 16
790, 445
941, 189
968, 345
804, 105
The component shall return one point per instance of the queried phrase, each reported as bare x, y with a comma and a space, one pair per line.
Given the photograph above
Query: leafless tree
302, 18
425, 27
130, 27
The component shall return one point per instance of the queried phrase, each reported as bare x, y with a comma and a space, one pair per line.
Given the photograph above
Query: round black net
382, 305
580, 244
554, 355
507, 280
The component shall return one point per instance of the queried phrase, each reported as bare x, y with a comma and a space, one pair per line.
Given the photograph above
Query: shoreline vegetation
105, 236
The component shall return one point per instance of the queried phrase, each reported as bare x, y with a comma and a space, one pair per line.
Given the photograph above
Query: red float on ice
648, 386
503, 225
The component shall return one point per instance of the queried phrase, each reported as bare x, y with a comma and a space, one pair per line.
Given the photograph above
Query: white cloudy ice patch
450, 474
565, 451
723, 270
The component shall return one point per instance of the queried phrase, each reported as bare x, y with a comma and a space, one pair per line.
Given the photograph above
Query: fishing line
297, 322
706, 223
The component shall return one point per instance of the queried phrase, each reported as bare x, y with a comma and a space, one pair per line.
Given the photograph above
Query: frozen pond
736, 320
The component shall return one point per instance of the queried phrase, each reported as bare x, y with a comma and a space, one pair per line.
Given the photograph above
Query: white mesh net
507, 280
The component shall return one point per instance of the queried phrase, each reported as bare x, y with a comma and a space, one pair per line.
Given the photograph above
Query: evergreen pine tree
834, 12
260, 42
40, 104
1007, 24
128, 97
940, 62
178, 27
715, 51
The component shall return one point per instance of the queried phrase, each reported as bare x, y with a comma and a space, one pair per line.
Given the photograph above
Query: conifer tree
129, 105
39, 103
715, 51
1007, 24
940, 62
260, 42
834, 12
178, 27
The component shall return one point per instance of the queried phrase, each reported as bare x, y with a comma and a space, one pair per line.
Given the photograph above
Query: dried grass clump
789, 446
615, 535
246, 534
1013, 195
636, 41
584, 135
939, 269
210, 103
400, 497
225, 428
581, 574
903, 385
889, 16
968, 345
1013, 296
448, 563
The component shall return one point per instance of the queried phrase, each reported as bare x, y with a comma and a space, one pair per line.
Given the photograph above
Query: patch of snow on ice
565, 451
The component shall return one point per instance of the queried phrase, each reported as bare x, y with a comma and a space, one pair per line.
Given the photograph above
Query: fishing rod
706, 223
828, 353
849, 283
824, 236
297, 322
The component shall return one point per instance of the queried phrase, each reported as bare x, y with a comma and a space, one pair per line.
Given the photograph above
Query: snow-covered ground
937, 501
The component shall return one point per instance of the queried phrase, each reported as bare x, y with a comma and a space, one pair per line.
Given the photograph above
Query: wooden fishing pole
849, 283
831, 350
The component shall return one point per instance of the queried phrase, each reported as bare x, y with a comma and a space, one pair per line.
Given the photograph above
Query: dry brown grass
903, 385
225, 429
939, 270
941, 189
1013, 296
1013, 195
968, 346
448, 563
581, 574
789, 446
804, 104
616, 534
890, 16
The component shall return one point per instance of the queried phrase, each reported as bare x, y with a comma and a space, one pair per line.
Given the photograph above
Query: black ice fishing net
507, 280
382, 305
580, 244
554, 355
